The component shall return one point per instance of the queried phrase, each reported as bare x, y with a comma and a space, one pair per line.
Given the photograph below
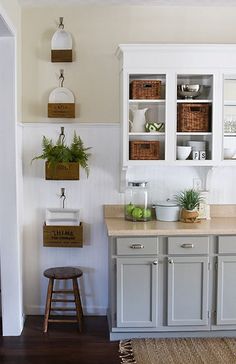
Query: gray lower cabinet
226, 290
226, 273
188, 279
161, 285
137, 292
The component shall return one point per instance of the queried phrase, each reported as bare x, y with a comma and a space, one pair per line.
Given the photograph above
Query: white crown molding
212, 3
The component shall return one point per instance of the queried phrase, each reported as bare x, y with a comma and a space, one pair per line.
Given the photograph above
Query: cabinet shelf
230, 103
191, 162
193, 133
190, 101
147, 134
146, 101
227, 135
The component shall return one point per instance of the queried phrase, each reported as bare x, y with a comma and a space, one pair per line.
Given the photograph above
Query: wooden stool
62, 273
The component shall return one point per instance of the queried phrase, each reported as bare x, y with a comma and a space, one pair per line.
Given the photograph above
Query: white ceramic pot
167, 211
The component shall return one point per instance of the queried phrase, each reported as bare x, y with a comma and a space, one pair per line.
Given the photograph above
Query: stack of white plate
197, 145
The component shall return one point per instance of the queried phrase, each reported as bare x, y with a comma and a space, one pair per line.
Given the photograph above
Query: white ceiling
130, 2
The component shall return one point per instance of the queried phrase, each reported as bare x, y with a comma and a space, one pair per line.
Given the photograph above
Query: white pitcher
139, 120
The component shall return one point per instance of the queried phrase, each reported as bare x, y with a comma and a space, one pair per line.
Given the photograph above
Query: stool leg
79, 310
48, 304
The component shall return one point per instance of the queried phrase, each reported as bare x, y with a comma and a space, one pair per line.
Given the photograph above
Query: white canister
167, 211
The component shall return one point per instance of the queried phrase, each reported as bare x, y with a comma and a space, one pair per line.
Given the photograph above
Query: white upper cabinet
178, 104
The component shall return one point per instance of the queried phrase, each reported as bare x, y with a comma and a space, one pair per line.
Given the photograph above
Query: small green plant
59, 152
189, 199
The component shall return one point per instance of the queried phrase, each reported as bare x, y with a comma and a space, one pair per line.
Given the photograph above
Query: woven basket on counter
145, 89
141, 150
194, 117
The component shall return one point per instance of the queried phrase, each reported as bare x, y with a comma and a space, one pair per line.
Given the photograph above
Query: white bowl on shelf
183, 152
229, 153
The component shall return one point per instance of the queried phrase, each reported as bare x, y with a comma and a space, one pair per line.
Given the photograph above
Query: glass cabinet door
229, 117
146, 117
194, 117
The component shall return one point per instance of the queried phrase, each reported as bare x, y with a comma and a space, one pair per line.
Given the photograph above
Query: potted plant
63, 161
189, 201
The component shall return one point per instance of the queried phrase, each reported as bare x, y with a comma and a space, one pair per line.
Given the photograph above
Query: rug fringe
126, 352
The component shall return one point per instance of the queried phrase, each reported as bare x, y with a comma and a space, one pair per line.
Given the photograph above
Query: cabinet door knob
155, 262
136, 246
190, 245
170, 261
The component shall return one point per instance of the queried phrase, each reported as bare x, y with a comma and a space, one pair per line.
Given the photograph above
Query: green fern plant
59, 152
189, 199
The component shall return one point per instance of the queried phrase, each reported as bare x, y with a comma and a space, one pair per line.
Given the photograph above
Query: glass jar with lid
137, 206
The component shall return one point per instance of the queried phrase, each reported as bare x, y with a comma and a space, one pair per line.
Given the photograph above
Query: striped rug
179, 351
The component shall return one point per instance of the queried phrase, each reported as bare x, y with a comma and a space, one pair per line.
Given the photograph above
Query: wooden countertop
223, 222
118, 226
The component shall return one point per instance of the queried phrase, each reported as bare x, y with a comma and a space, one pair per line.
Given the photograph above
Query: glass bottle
137, 206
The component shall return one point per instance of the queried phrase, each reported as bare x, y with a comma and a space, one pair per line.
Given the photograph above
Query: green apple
129, 208
146, 213
137, 213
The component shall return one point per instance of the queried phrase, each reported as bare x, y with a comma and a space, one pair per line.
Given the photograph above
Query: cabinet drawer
227, 244
188, 245
137, 246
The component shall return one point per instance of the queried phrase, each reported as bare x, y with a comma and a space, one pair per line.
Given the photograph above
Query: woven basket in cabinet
194, 117
141, 150
145, 89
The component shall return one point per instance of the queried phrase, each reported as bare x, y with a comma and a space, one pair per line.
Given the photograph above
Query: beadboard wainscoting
89, 195
102, 187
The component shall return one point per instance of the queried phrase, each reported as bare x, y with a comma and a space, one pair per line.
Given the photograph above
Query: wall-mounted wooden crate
61, 110
62, 171
63, 236
61, 55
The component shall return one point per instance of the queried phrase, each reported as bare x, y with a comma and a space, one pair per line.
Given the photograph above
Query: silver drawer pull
170, 261
136, 246
187, 245
155, 262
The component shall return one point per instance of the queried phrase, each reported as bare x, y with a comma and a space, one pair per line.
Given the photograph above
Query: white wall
11, 12
97, 31
102, 187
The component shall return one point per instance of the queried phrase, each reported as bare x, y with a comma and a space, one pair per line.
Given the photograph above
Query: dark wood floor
63, 344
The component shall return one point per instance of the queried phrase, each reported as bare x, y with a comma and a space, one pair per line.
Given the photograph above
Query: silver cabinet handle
187, 245
155, 262
136, 246
170, 261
